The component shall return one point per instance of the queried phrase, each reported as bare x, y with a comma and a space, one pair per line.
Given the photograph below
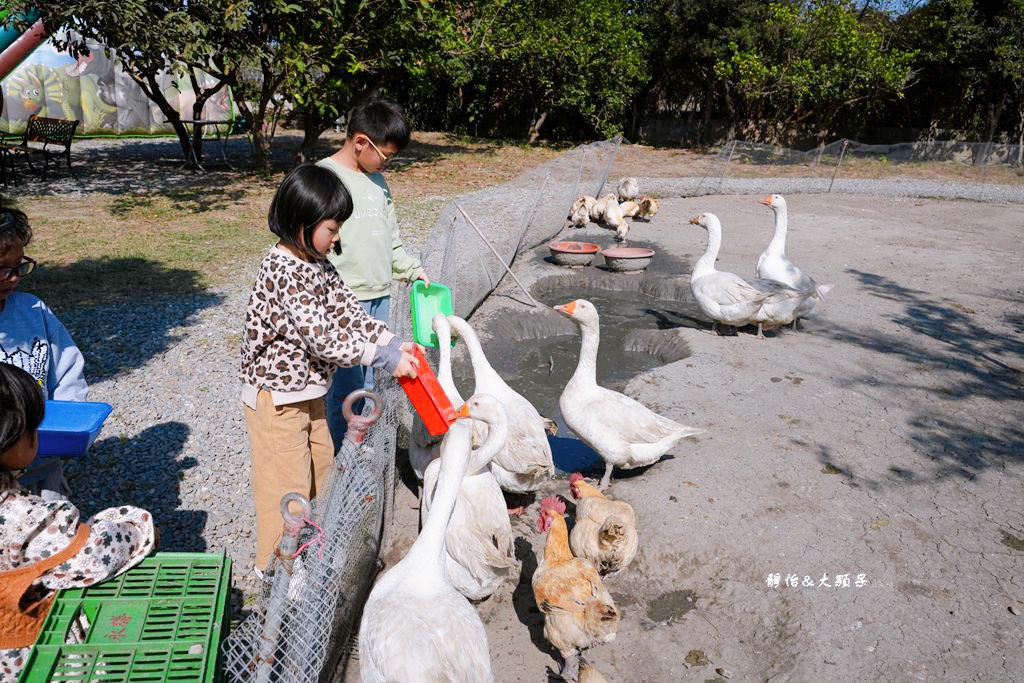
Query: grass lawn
202, 230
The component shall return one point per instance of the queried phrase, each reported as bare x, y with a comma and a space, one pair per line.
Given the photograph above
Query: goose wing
613, 415
729, 288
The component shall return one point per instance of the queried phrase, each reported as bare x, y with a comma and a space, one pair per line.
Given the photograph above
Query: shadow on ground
142, 168
525, 604
958, 359
117, 331
145, 471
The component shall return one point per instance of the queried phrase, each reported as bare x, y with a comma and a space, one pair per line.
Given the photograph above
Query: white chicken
628, 189
597, 208
579, 213
606, 211
644, 208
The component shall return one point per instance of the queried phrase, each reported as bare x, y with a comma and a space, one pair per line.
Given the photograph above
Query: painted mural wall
95, 90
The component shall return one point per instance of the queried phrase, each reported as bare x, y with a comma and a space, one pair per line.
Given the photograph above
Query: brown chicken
605, 529
590, 674
578, 611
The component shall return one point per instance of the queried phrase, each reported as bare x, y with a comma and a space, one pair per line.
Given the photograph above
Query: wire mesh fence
736, 152
300, 629
320, 575
511, 217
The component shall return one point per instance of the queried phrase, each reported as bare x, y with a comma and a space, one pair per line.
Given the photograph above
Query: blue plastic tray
70, 427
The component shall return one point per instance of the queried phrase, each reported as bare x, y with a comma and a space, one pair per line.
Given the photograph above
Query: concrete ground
874, 457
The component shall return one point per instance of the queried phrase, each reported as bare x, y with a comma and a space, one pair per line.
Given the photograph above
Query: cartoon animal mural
95, 90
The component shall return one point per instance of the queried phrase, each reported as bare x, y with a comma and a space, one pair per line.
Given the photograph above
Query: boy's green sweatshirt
371, 250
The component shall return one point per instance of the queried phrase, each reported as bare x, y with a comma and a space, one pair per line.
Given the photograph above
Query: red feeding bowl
627, 259
427, 397
572, 253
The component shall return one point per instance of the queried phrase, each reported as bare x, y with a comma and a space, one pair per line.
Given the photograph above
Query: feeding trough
627, 259
573, 254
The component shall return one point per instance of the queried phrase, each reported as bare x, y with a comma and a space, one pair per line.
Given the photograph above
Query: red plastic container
428, 398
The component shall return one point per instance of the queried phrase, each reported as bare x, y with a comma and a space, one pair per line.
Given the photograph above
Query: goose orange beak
567, 309
766, 200
463, 411
695, 220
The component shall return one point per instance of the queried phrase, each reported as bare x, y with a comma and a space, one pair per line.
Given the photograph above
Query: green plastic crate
162, 620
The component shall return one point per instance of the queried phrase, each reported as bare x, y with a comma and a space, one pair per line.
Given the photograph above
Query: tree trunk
705, 122
535, 128
202, 95
1020, 138
994, 112
313, 125
152, 90
260, 141
731, 113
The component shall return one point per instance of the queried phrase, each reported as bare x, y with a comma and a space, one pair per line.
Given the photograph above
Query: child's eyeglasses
382, 155
21, 270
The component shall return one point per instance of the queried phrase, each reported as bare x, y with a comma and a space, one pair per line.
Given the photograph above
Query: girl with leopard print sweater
44, 545
302, 323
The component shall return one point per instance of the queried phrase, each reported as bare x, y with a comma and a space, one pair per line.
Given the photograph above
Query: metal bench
49, 137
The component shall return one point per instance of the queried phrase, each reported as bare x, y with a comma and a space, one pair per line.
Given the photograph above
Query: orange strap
15, 582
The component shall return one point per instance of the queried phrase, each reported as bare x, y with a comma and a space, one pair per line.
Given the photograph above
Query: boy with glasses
33, 339
369, 252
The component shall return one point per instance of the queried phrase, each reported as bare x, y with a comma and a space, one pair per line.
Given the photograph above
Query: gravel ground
176, 441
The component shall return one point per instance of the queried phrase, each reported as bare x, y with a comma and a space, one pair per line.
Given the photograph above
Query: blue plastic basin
70, 427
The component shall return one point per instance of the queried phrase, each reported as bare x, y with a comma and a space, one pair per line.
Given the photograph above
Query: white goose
525, 461
479, 542
773, 264
623, 431
727, 298
424, 447
415, 626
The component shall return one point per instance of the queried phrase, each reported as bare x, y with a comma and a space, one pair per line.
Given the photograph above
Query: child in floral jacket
44, 546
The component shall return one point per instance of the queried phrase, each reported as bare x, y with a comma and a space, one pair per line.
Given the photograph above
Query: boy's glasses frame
382, 155
21, 270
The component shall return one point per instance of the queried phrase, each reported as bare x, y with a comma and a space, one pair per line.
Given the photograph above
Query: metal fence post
842, 151
282, 577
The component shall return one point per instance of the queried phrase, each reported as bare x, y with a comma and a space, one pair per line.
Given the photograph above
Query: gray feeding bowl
627, 259
573, 253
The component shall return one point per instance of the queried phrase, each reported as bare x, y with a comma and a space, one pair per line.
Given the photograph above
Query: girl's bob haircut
308, 195
23, 404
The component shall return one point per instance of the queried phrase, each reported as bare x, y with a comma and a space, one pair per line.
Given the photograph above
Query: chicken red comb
553, 503
575, 477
